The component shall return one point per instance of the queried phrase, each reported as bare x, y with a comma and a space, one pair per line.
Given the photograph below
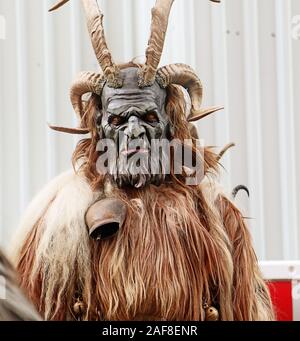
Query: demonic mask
132, 118
133, 99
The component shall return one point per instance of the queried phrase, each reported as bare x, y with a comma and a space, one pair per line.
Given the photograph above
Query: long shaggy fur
164, 261
181, 246
55, 258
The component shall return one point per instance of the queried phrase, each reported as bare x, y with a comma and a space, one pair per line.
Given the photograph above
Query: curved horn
185, 76
94, 19
159, 25
85, 82
224, 150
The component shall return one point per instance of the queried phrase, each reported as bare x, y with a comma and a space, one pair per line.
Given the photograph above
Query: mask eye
116, 120
151, 117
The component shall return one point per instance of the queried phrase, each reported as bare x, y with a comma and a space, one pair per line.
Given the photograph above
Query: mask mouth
139, 146
133, 151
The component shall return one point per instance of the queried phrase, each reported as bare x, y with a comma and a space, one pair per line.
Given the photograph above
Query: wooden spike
77, 131
58, 5
196, 116
224, 150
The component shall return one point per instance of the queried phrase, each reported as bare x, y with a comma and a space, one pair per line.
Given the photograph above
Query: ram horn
159, 25
94, 19
184, 75
86, 82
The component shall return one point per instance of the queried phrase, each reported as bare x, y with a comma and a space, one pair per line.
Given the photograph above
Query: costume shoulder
62, 202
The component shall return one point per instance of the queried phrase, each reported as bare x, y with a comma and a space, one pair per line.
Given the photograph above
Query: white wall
243, 51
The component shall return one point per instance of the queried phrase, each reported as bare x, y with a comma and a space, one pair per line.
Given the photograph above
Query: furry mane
181, 246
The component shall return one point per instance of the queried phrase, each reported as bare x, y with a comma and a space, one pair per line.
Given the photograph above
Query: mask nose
134, 129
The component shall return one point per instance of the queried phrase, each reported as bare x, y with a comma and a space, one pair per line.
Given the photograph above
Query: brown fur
180, 247
26, 263
251, 297
164, 261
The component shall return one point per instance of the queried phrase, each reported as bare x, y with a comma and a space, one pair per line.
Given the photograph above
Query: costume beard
180, 247
138, 164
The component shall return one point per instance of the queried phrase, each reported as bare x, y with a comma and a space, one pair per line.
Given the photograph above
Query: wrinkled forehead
130, 94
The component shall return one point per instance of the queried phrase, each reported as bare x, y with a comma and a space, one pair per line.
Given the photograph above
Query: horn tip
197, 115
58, 5
76, 131
52, 9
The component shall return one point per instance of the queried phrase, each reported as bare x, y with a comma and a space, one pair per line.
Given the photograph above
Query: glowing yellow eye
151, 117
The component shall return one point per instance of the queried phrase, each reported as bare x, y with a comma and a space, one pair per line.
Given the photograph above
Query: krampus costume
133, 245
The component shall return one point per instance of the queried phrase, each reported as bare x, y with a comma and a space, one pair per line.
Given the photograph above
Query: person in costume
115, 241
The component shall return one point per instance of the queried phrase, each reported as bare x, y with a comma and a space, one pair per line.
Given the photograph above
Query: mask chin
143, 167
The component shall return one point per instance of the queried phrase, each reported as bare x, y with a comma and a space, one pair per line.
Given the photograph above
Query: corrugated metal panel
286, 128
253, 114
245, 55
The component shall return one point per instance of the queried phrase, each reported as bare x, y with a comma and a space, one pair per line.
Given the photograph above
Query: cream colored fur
36, 210
62, 206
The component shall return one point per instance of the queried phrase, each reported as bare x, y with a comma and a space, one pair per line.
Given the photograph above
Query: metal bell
79, 308
105, 218
211, 314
